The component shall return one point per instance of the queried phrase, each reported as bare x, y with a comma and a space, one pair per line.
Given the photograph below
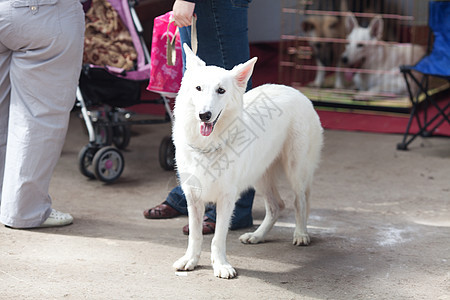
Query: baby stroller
103, 93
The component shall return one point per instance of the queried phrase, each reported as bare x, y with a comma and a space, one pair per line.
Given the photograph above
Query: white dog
378, 60
227, 142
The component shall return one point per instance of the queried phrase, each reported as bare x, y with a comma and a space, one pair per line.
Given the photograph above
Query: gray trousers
41, 45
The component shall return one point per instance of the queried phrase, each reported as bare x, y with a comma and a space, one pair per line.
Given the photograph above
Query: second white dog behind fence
319, 48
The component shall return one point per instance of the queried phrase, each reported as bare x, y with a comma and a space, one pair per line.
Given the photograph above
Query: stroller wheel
167, 154
85, 158
108, 164
121, 136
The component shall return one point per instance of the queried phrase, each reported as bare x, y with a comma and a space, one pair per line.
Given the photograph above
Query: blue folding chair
436, 63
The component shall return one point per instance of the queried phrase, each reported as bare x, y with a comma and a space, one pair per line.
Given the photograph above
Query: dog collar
206, 151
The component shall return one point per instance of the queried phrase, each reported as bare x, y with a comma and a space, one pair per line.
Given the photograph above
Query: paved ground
380, 227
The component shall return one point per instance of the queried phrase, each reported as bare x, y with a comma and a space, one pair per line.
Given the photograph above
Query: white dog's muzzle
206, 128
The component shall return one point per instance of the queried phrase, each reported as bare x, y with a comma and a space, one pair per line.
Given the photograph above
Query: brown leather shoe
162, 211
208, 226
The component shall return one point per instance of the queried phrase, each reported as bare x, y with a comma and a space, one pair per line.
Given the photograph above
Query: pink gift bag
164, 78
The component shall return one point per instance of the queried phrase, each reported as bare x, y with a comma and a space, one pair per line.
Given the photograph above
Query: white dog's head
360, 40
213, 90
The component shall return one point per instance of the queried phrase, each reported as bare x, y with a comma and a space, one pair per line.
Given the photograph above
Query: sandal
162, 211
208, 226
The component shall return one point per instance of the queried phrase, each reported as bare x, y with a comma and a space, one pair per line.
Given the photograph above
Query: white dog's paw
224, 271
301, 239
365, 95
185, 264
338, 85
315, 84
251, 238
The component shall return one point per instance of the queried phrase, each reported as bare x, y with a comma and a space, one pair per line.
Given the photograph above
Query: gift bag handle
171, 54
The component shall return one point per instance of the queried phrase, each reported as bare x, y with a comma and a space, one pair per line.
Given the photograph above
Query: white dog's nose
206, 116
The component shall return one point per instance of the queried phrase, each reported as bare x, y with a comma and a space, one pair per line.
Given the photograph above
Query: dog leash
171, 52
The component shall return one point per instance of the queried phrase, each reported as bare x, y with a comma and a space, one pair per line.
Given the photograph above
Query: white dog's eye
220, 91
198, 88
359, 45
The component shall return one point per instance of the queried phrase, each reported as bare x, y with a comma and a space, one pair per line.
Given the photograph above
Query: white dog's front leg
320, 75
339, 81
222, 268
196, 210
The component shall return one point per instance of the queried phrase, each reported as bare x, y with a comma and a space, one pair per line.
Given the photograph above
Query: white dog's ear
192, 60
350, 23
376, 27
243, 72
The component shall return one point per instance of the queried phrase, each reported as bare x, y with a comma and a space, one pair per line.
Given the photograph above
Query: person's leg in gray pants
41, 45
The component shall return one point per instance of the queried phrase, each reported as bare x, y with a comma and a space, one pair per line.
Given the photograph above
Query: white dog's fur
366, 51
271, 128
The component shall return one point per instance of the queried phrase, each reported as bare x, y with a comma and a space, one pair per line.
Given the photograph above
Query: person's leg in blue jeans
222, 32
222, 41
242, 215
222, 35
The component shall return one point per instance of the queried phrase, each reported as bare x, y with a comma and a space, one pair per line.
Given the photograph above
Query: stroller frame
111, 125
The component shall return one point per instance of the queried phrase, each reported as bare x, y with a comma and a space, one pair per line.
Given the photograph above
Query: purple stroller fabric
143, 67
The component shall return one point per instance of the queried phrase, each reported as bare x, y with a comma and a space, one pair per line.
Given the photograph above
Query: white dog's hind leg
272, 202
301, 204
224, 210
196, 210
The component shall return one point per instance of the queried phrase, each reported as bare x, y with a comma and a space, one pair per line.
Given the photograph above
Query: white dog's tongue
349, 76
206, 128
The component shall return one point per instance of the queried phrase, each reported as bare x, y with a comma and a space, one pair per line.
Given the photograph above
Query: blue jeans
222, 35
242, 214
222, 32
